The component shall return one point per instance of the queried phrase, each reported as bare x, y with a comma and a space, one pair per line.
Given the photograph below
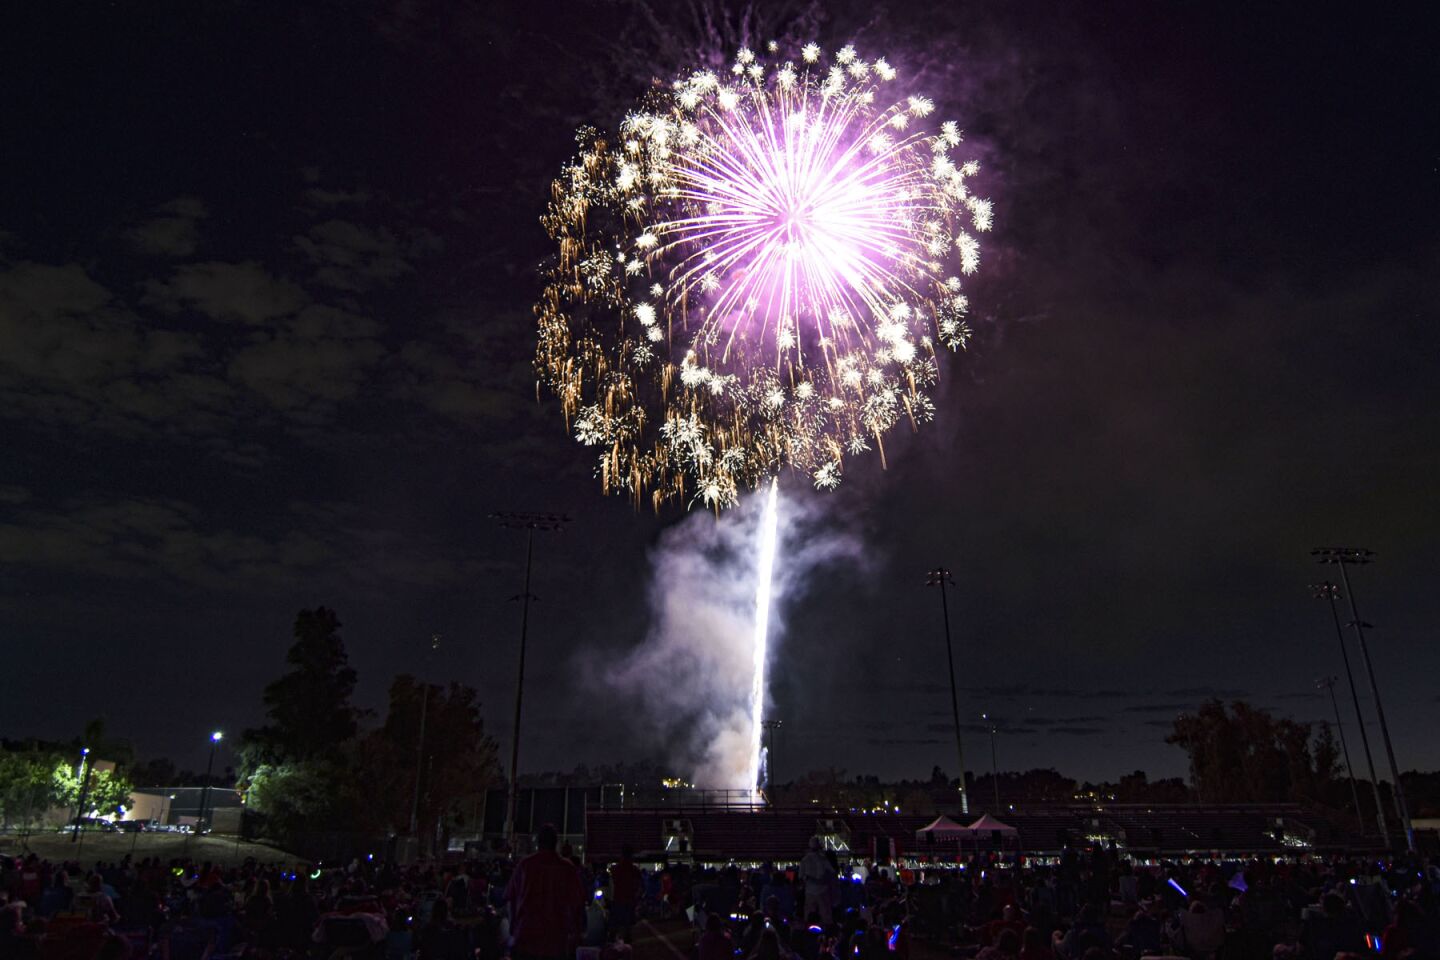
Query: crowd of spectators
1084, 906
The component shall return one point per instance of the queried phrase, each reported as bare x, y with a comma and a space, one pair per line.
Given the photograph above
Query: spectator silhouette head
547, 838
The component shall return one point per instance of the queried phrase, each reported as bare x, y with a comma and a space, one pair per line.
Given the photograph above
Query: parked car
90, 825
132, 826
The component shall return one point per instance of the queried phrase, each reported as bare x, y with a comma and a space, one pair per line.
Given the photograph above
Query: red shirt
546, 902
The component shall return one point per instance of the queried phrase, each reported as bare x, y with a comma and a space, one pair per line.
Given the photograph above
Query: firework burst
756, 271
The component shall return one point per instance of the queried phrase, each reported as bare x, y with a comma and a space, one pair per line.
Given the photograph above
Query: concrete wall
148, 806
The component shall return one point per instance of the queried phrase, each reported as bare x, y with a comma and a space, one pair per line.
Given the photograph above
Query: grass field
113, 846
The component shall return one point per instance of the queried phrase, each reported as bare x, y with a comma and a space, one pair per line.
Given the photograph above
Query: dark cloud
244, 292
10, 494
348, 256
1054, 721
1156, 708
174, 230
177, 543
1208, 693
138, 539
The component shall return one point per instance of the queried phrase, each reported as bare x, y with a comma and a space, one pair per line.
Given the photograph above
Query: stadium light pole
1343, 557
215, 739
420, 744
994, 764
1328, 684
940, 577
530, 523
770, 727
1328, 591
85, 766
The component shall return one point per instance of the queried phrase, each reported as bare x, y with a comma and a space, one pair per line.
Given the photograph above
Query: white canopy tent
942, 829
988, 824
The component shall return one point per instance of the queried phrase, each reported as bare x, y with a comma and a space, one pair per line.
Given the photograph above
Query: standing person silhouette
625, 882
816, 871
546, 902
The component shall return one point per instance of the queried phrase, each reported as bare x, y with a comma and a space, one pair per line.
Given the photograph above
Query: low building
181, 807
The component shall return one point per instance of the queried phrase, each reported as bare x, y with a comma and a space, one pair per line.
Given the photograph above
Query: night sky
266, 273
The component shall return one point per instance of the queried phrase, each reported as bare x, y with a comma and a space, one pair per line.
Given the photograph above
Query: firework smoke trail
769, 525
689, 683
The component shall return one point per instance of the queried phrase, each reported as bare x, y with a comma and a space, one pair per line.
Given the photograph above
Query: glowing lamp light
216, 737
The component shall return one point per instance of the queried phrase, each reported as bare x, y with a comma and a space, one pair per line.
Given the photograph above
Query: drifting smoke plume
691, 678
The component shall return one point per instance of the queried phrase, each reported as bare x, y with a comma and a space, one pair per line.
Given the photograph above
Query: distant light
216, 737
599, 894
84, 751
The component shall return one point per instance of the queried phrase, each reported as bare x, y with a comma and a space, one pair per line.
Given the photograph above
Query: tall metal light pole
940, 577
529, 522
1328, 591
1343, 557
1328, 684
86, 764
215, 739
420, 747
770, 727
994, 764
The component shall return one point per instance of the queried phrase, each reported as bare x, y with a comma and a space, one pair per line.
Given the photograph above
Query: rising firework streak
767, 535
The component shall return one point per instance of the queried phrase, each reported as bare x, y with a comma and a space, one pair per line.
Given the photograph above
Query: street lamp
994, 765
1343, 557
215, 739
940, 577
529, 522
1328, 684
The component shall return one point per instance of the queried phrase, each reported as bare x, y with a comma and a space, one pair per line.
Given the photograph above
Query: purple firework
756, 273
